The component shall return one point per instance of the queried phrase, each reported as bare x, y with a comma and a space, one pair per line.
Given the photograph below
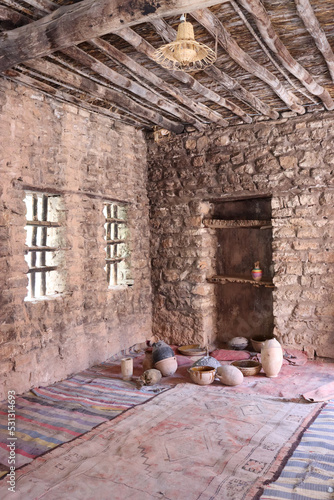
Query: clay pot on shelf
167, 366
271, 357
257, 272
161, 351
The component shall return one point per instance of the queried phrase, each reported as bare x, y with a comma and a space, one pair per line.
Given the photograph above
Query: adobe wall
87, 158
292, 161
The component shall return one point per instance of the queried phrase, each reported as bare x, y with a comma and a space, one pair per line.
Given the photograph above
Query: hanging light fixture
185, 53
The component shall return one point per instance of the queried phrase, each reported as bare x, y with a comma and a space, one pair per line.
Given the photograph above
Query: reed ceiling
274, 59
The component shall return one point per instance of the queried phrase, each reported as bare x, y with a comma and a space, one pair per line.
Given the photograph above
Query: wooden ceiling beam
130, 85
90, 87
79, 22
269, 35
7, 14
306, 13
214, 26
168, 34
52, 92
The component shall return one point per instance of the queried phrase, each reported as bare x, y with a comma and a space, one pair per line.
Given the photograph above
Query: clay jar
271, 357
161, 351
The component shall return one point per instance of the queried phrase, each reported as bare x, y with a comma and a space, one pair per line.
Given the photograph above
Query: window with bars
43, 242
117, 251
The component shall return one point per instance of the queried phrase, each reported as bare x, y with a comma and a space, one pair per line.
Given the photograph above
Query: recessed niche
244, 307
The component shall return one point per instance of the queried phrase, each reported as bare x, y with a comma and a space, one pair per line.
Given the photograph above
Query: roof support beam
215, 27
264, 24
121, 100
306, 13
76, 23
233, 86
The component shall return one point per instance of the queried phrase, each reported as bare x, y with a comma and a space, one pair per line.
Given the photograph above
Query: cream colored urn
271, 357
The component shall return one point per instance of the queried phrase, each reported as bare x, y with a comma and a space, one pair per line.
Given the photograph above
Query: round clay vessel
272, 357
230, 375
167, 366
161, 351
202, 375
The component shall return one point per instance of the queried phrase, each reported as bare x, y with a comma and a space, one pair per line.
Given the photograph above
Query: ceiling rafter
52, 92
121, 100
306, 13
168, 34
267, 30
216, 28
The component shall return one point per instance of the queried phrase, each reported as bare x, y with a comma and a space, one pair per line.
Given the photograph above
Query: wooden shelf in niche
235, 224
223, 280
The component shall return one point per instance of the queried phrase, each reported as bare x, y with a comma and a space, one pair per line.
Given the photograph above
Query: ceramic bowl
167, 366
238, 343
192, 350
258, 342
248, 367
202, 375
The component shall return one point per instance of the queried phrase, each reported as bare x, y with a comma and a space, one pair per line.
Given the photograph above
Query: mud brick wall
87, 158
293, 162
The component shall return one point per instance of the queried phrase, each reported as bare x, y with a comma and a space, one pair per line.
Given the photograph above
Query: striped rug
309, 473
46, 417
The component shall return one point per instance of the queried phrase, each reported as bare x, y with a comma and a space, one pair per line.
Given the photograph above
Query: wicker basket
248, 367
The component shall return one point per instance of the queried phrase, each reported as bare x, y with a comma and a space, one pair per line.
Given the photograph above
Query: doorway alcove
244, 236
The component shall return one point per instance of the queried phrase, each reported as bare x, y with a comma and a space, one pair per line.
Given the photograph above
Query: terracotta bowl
202, 375
248, 367
167, 366
257, 342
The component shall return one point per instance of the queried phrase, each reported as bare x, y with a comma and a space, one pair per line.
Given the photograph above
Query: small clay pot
167, 366
202, 375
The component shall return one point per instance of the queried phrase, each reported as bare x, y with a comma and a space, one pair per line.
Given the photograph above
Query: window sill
44, 298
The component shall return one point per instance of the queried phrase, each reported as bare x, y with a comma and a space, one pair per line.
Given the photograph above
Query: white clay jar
271, 357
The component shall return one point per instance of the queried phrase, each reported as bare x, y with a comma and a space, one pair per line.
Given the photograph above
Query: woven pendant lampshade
185, 53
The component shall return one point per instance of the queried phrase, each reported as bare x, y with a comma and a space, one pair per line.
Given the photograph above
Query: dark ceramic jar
161, 351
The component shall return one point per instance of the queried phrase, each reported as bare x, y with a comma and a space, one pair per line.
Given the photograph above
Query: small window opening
43, 242
117, 249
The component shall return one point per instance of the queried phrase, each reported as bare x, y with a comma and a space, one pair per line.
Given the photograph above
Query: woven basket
248, 367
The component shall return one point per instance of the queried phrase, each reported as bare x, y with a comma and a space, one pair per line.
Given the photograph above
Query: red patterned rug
189, 443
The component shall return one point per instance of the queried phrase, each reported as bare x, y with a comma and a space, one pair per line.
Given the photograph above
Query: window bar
115, 247
44, 230
33, 244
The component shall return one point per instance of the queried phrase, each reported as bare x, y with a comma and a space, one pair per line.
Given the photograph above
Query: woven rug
191, 443
309, 473
49, 416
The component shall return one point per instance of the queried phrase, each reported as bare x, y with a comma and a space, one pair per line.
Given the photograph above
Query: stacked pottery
164, 359
271, 357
